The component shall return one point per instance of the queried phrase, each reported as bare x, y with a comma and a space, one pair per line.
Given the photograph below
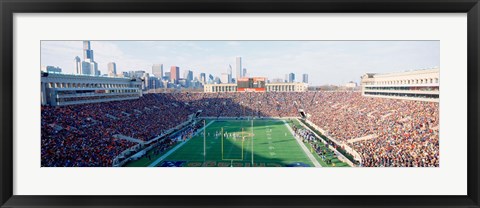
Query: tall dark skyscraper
305, 78
291, 77
87, 51
174, 74
203, 78
230, 74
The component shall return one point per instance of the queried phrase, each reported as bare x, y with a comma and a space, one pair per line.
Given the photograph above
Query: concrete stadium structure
421, 85
68, 89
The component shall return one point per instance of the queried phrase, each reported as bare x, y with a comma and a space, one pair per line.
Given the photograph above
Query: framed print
214, 103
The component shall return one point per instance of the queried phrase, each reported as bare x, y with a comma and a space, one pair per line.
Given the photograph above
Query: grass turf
273, 145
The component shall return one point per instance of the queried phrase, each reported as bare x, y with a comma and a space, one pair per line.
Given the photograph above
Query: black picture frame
10, 7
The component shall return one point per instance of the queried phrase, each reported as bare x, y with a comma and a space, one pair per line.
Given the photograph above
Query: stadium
110, 122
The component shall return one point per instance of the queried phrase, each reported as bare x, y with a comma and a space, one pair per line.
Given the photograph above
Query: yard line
153, 164
304, 148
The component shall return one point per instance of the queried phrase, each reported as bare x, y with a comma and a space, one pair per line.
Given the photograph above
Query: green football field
229, 143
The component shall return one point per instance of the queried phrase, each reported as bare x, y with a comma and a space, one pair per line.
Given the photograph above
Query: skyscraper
87, 51
203, 78
230, 74
174, 74
244, 73
89, 66
157, 70
112, 69
305, 78
145, 81
291, 77
239, 68
167, 76
188, 75
210, 79
224, 78
78, 65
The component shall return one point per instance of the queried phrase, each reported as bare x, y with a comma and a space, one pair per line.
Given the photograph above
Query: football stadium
238, 129
93, 120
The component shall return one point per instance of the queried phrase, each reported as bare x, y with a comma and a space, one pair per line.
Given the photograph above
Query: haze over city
326, 62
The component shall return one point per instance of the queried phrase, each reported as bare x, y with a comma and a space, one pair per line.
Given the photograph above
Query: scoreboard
251, 84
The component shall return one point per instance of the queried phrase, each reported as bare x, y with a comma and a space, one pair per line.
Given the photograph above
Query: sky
325, 62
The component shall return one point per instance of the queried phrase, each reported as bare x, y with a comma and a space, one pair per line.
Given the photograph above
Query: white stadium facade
68, 89
423, 85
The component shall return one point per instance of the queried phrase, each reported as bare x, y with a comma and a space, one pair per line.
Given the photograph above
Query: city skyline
325, 62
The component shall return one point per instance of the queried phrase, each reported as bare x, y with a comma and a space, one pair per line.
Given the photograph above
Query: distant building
86, 68
291, 77
305, 78
174, 74
203, 78
188, 75
210, 79
154, 83
167, 76
89, 66
277, 80
238, 67
112, 69
137, 74
78, 65
125, 74
230, 75
183, 83
157, 70
224, 78
421, 84
52, 69
145, 81
351, 84
244, 73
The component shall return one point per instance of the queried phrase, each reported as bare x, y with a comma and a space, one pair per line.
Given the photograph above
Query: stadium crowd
400, 133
